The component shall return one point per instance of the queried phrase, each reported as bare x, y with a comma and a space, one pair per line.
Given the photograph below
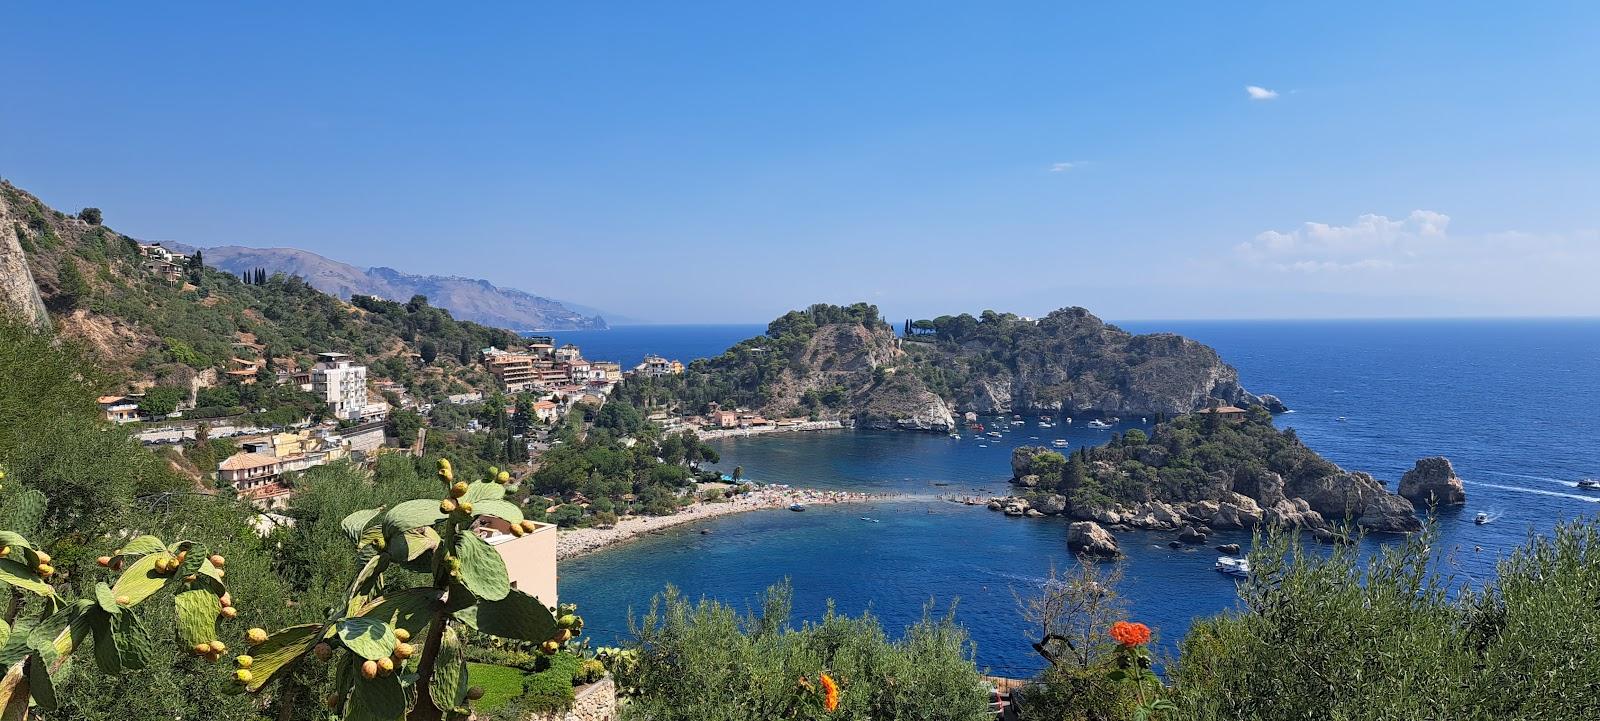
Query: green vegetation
742, 375
654, 471
704, 662
194, 324
1200, 457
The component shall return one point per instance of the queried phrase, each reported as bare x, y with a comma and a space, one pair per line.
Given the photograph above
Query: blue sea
1511, 402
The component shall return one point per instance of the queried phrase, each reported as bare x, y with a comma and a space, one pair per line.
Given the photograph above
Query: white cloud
1063, 167
1372, 242
1256, 92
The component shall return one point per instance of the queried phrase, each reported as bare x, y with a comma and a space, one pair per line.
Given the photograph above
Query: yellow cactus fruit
256, 636
322, 651
191, 578
221, 573
226, 599
123, 600
161, 565
466, 507
447, 506
45, 569
244, 661
402, 634
474, 693
369, 670
243, 675
563, 635
444, 463
528, 526
103, 561
385, 666
5, 551
518, 532
504, 477
202, 649
494, 470
403, 650
182, 556
230, 612
567, 620
43, 557
218, 647
549, 648
217, 560
459, 489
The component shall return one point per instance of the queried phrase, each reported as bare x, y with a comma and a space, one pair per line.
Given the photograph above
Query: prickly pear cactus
397, 653
33, 649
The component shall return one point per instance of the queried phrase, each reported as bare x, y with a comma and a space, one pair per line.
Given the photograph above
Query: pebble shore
579, 541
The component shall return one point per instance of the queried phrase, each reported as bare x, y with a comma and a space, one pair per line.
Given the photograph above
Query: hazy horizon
724, 163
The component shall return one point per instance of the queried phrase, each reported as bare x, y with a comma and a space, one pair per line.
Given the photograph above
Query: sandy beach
579, 541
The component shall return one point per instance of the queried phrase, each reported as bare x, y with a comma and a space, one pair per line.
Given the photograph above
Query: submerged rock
1433, 481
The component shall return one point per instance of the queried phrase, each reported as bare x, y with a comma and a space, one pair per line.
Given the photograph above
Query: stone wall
595, 702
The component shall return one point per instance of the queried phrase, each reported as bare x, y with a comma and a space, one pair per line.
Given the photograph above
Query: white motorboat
956, 436
993, 434
1059, 443
1589, 484
1234, 566
1481, 518
1098, 424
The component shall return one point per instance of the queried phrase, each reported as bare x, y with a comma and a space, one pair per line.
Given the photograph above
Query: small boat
1233, 566
1590, 484
869, 520
980, 445
1481, 518
1341, 419
1099, 424
956, 436
1059, 443
1046, 424
993, 434
1016, 423
797, 507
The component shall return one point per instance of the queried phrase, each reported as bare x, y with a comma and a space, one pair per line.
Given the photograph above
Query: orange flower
830, 693
1130, 634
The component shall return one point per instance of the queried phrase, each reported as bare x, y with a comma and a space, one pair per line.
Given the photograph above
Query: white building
341, 384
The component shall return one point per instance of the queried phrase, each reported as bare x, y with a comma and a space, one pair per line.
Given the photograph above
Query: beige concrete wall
531, 561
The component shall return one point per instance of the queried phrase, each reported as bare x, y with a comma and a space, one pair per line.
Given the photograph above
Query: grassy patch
500, 684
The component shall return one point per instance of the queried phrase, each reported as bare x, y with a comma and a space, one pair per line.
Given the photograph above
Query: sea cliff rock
1433, 481
19, 296
1089, 538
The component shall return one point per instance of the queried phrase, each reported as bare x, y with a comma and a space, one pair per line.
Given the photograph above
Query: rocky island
846, 363
1221, 468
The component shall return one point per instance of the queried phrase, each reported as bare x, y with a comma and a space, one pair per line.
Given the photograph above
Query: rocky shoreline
580, 541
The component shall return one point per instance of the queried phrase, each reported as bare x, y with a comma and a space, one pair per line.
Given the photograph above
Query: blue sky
698, 162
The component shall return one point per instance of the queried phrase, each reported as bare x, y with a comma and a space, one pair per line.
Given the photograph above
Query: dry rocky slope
19, 295
466, 298
844, 362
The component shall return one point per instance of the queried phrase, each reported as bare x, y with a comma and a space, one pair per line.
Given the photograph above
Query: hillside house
119, 409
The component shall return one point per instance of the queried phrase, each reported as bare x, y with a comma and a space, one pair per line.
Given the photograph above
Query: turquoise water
1510, 402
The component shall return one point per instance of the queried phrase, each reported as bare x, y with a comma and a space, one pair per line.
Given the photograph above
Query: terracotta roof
1223, 409
110, 399
246, 461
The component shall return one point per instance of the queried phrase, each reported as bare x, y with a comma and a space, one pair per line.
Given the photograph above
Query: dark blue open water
1513, 403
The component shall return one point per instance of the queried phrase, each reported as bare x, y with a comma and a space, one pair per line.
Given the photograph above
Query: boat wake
1538, 491
1568, 484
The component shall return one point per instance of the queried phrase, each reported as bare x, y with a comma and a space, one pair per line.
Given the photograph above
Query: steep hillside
171, 325
845, 362
469, 299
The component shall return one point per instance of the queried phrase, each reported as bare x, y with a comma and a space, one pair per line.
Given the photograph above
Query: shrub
500, 684
1388, 638
705, 662
90, 215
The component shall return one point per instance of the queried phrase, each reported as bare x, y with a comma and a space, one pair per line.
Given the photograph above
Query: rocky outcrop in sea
1433, 481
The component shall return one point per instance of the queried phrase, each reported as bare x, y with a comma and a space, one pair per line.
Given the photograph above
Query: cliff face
19, 296
841, 362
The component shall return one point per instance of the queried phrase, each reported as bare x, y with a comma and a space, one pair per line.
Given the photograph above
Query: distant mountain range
466, 298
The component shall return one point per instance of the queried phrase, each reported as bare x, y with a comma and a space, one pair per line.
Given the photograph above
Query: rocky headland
1199, 473
846, 363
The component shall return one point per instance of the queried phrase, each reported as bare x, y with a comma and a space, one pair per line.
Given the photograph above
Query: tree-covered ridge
162, 329
745, 374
